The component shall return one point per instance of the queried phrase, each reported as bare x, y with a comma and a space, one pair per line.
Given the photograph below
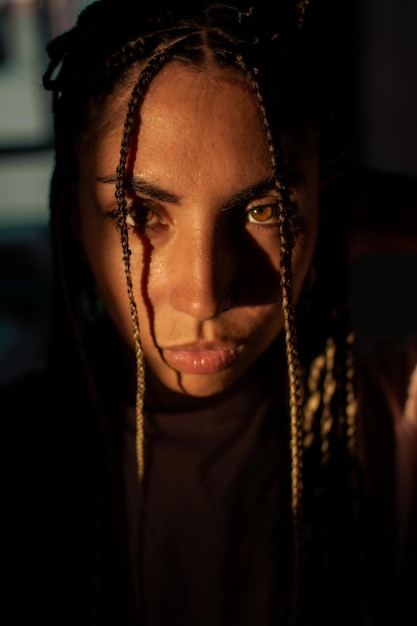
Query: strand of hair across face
146, 74
296, 421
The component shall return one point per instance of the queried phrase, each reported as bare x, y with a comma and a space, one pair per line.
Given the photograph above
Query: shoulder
387, 376
387, 432
23, 441
387, 401
22, 391
21, 399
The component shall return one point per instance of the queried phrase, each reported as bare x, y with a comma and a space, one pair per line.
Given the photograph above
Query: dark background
384, 239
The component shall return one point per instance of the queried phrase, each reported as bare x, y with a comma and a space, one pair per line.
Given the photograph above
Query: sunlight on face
202, 226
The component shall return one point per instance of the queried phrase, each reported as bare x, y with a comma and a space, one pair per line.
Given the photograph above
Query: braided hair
300, 74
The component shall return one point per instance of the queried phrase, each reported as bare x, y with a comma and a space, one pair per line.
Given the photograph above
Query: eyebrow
245, 195
140, 185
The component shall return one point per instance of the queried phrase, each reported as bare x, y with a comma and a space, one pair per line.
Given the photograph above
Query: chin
198, 386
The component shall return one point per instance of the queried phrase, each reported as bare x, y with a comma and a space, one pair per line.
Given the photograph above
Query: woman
209, 464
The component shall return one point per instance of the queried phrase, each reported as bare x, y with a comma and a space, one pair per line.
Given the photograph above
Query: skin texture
195, 239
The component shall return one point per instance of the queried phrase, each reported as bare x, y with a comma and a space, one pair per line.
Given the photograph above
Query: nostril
228, 302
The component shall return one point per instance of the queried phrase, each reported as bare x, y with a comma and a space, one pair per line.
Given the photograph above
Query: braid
287, 244
301, 7
351, 401
146, 75
330, 405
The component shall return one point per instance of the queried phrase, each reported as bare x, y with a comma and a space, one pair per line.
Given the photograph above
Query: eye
266, 213
141, 214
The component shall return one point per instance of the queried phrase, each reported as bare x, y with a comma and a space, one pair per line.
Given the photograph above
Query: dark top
216, 523
213, 507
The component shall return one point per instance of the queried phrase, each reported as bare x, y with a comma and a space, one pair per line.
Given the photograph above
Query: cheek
302, 256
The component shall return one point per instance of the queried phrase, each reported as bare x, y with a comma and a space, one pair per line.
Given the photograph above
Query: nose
199, 275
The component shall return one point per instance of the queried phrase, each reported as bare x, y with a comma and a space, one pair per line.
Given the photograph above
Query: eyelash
296, 219
267, 224
142, 211
141, 208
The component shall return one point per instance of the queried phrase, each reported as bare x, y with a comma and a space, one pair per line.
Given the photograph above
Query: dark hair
299, 66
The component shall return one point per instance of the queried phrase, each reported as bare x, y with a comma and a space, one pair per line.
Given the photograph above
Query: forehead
206, 84
207, 120
203, 88
208, 101
190, 116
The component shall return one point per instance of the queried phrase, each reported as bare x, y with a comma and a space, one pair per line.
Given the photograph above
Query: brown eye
261, 214
140, 215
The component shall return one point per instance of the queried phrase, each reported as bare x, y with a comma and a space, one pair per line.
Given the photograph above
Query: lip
205, 358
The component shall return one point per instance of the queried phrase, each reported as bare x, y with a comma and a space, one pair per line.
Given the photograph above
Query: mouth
197, 358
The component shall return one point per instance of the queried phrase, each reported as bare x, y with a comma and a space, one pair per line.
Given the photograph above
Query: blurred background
25, 167
384, 244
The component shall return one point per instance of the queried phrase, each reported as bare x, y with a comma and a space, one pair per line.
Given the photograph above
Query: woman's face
203, 228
